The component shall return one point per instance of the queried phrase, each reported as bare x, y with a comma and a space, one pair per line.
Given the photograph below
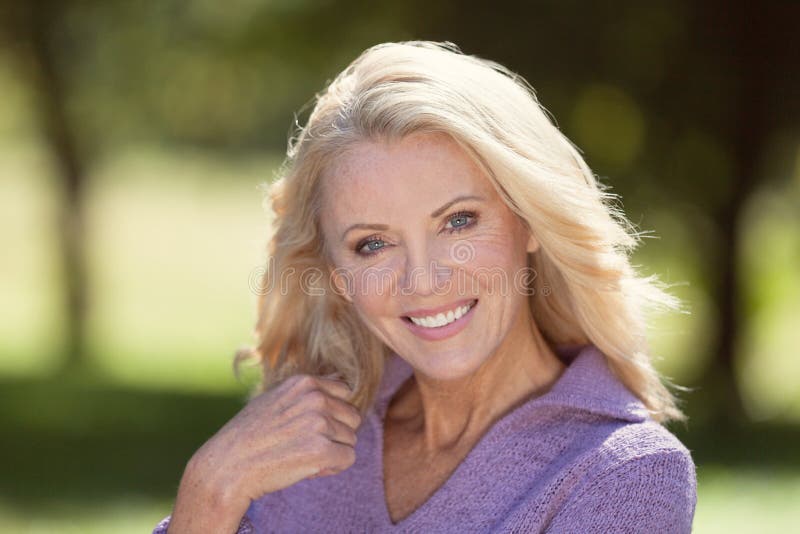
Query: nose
426, 271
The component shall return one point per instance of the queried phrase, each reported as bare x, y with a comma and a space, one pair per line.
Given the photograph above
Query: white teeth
441, 319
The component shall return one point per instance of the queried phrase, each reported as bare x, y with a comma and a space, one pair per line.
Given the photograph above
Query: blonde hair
391, 90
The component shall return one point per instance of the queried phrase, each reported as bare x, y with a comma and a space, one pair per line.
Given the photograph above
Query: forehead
423, 170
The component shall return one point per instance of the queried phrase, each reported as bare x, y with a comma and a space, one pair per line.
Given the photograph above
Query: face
415, 229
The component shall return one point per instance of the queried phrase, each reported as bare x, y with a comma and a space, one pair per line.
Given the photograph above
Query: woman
458, 340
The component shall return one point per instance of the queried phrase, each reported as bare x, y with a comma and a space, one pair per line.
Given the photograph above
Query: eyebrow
436, 213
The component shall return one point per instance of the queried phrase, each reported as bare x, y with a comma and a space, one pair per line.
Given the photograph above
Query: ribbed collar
587, 384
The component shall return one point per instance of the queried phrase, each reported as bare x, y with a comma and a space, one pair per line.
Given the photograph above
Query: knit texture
583, 457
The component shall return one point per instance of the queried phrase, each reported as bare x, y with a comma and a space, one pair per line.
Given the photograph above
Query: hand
302, 428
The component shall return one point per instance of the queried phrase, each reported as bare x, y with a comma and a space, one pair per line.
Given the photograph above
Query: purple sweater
583, 457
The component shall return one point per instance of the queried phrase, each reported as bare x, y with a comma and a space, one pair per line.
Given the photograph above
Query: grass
737, 499
121, 515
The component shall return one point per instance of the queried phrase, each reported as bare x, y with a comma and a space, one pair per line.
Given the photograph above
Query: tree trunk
759, 36
34, 26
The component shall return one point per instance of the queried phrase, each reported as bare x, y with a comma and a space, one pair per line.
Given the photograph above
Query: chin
449, 367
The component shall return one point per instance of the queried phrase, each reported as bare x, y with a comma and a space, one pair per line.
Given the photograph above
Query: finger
318, 400
344, 412
339, 457
341, 433
325, 472
336, 387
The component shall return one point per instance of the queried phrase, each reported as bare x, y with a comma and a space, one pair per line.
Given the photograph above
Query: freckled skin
400, 185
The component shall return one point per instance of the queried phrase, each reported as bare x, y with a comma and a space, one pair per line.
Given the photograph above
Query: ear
533, 243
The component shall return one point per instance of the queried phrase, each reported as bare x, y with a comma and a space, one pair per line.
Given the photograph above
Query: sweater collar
587, 385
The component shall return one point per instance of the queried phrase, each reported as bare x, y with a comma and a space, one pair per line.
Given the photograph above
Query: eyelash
376, 237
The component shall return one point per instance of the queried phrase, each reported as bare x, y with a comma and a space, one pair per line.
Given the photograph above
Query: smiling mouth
441, 319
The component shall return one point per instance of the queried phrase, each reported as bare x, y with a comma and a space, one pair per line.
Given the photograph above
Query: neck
447, 414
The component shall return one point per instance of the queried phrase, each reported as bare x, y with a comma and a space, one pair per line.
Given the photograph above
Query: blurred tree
760, 43
30, 28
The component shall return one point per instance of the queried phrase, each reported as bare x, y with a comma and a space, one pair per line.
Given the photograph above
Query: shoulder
645, 449
626, 442
644, 459
644, 478
657, 491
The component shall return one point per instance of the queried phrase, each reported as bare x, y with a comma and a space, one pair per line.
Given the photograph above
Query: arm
302, 428
204, 505
652, 493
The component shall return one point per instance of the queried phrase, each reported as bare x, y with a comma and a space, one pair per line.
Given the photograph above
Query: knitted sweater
583, 457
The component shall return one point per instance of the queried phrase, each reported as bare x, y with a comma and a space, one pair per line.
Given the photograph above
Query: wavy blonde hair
392, 90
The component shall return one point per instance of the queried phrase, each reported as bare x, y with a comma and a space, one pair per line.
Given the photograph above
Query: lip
432, 312
443, 332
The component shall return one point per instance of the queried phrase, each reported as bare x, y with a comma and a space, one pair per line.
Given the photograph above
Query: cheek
373, 289
370, 307
499, 260
498, 249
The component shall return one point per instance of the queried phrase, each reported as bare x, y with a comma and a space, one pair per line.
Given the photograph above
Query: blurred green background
133, 139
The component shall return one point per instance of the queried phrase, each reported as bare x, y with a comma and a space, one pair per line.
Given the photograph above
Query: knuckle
300, 382
329, 449
306, 380
320, 447
291, 381
319, 422
350, 417
316, 399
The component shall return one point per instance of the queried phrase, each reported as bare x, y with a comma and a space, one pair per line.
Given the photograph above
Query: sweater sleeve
652, 493
245, 526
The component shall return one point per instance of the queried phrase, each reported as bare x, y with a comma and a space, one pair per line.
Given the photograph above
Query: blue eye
461, 220
372, 244
457, 222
